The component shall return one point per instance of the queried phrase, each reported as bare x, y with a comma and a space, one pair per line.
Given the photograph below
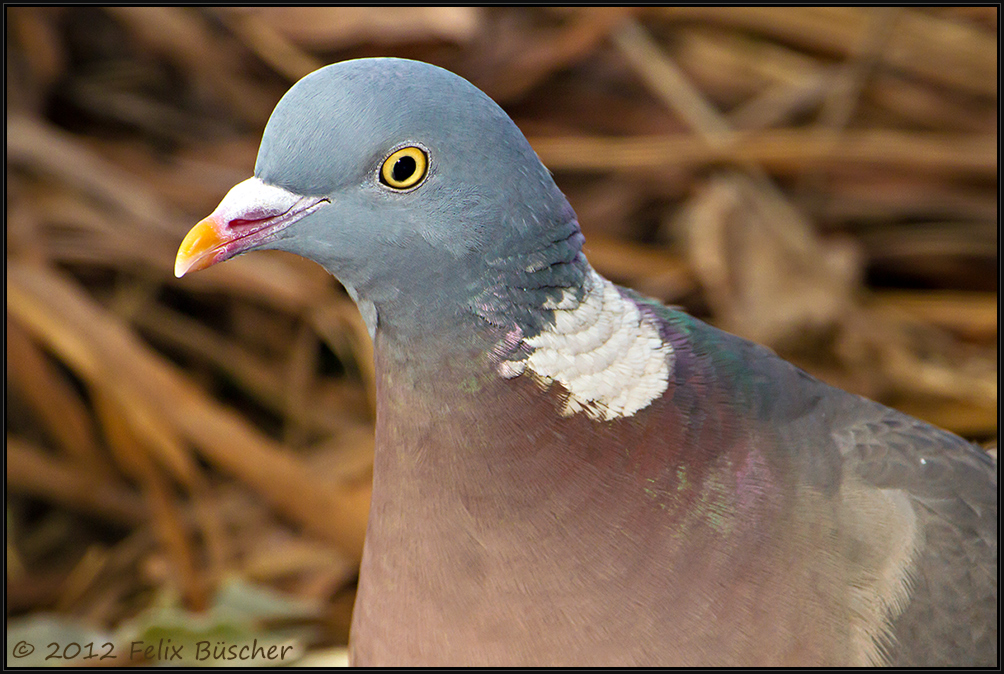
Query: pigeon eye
405, 169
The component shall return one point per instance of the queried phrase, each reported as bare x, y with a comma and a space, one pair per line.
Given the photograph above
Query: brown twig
73, 326
30, 471
781, 151
949, 53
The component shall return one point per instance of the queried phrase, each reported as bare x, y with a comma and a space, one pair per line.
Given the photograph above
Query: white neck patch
608, 356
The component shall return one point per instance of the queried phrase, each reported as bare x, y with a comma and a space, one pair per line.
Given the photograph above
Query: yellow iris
405, 169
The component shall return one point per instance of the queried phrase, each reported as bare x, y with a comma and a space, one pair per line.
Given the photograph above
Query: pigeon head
407, 183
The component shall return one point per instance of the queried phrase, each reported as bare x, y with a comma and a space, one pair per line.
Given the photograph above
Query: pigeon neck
519, 289
472, 317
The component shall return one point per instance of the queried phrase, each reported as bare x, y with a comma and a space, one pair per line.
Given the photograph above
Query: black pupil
404, 168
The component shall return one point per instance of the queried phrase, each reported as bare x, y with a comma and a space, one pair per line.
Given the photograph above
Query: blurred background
191, 459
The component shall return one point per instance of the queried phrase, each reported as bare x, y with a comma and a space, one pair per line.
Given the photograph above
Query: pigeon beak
251, 213
199, 248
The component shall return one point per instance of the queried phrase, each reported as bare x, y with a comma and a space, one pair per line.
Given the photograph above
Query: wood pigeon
568, 472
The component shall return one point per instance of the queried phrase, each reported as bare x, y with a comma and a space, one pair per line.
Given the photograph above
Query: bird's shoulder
880, 446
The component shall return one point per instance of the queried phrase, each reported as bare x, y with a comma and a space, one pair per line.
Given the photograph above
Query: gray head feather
487, 211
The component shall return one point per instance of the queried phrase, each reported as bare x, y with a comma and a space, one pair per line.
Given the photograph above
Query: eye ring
405, 168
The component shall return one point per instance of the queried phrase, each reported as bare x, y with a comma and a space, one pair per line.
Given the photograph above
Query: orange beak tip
196, 250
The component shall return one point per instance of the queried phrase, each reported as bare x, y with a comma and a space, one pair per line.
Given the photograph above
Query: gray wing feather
951, 616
